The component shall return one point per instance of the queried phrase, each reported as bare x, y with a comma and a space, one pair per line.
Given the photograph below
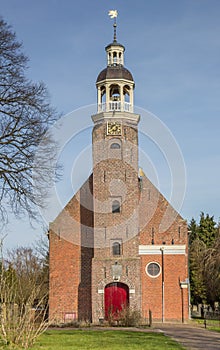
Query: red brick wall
154, 210
174, 272
64, 278
71, 251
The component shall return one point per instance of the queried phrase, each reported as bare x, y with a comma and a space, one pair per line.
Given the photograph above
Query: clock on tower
114, 128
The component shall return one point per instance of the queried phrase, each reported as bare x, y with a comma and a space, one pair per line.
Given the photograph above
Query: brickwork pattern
81, 254
155, 209
71, 253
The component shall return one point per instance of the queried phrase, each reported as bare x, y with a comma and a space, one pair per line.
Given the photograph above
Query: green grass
215, 329
212, 325
103, 339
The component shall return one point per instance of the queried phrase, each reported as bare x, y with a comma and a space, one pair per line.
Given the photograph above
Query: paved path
192, 337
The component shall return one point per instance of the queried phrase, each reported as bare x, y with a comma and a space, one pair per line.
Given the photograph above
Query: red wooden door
116, 298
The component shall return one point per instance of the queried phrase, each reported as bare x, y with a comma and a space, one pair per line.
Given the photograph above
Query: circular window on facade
153, 269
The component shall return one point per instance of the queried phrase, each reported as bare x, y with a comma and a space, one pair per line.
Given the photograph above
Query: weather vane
114, 14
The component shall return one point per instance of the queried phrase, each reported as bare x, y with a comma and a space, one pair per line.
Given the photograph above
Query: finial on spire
114, 14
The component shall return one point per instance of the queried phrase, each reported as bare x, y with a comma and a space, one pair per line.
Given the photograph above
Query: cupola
115, 84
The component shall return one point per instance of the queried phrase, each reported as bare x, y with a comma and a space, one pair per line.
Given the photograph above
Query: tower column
99, 99
107, 97
131, 101
122, 97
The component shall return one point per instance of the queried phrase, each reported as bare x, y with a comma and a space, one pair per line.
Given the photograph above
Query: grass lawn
212, 325
216, 329
103, 339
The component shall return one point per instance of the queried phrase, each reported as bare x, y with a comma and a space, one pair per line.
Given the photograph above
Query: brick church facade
111, 247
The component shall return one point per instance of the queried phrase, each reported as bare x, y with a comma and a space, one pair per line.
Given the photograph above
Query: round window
153, 269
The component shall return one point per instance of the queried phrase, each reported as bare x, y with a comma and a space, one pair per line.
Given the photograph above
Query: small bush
127, 317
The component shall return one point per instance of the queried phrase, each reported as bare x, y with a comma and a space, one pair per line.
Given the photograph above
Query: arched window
115, 145
103, 94
115, 207
115, 92
126, 92
120, 60
114, 57
116, 248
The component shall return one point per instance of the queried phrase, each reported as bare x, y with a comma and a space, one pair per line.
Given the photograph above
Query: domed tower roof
114, 72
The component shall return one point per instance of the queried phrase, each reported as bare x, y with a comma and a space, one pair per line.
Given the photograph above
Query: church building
108, 247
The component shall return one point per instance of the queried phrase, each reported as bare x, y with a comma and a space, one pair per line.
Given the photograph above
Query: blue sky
172, 50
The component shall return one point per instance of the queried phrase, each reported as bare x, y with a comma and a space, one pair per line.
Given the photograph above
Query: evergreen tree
204, 260
207, 229
197, 285
212, 272
192, 228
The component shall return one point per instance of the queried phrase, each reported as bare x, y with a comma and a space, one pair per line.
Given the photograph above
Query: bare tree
41, 245
27, 151
28, 267
23, 297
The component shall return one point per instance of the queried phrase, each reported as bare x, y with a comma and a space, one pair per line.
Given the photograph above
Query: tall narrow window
103, 94
120, 59
179, 231
126, 92
127, 233
114, 58
116, 248
152, 235
115, 207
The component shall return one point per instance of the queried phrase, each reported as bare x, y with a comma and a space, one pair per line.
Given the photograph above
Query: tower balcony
115, 106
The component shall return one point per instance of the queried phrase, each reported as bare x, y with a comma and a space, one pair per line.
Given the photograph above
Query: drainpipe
189, 291
182, 304
162, 256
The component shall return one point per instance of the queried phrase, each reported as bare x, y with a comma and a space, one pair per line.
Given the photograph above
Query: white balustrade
115, 106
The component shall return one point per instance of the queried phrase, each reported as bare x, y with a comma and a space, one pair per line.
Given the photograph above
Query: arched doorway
116, 298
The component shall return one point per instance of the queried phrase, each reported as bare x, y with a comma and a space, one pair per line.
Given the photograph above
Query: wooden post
150, 318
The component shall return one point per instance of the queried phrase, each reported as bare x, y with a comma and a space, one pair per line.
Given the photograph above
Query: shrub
129, 317
126, 317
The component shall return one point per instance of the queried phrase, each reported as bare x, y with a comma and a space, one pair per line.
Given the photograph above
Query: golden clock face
113, 128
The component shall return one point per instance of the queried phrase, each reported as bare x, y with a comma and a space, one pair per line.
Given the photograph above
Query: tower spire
115, 28
114, 14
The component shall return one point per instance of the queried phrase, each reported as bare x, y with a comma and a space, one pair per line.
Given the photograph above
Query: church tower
108, 247
116, 264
